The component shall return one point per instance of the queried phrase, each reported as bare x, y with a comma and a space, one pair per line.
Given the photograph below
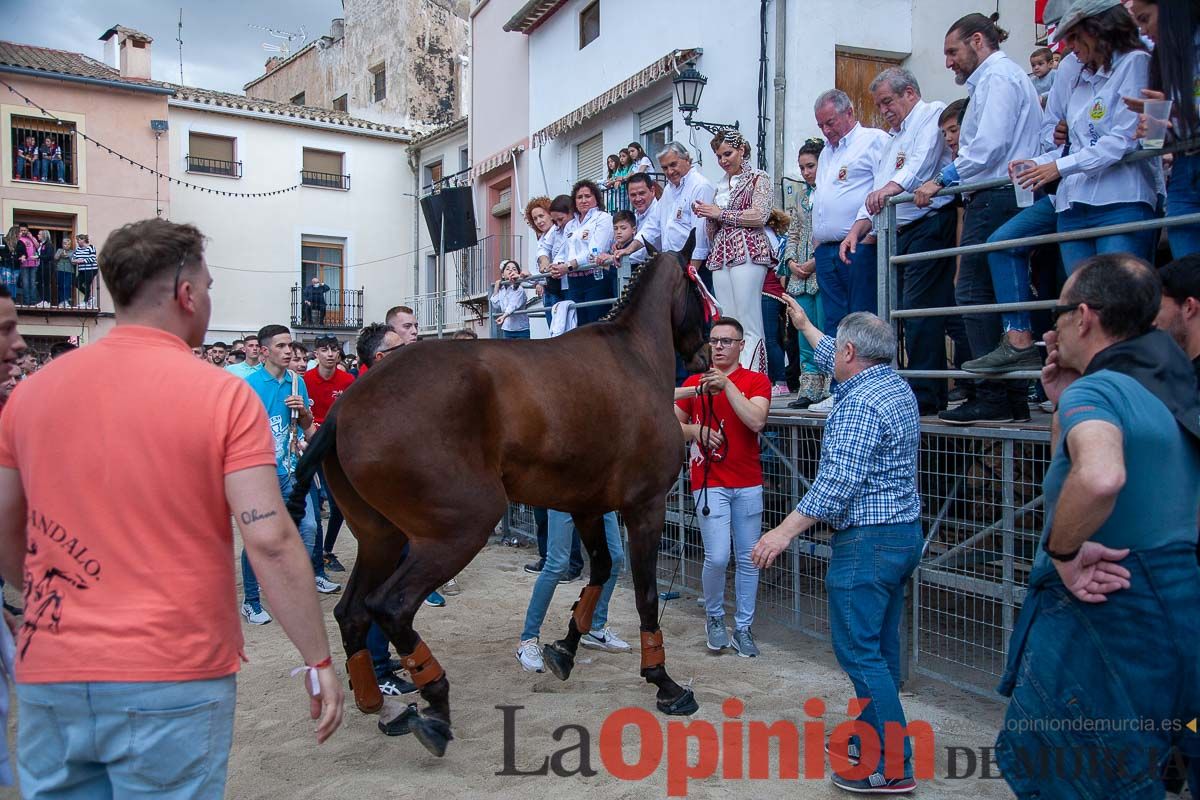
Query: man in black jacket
314, 301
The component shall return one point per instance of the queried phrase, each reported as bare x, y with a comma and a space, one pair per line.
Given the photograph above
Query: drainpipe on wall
414, 163
780, 90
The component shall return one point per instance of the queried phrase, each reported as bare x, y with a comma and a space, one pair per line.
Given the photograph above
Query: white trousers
739, 291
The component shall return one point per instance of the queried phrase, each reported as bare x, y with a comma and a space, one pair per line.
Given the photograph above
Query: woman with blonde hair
740, 254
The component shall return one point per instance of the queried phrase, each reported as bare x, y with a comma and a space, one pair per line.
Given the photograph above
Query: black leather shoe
800, 402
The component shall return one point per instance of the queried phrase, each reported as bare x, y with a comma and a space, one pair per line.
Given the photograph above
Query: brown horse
429, 447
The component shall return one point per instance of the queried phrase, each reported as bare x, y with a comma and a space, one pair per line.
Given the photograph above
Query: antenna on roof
179, 38
284, 49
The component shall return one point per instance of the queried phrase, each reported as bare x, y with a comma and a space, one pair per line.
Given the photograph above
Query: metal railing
478, 267
426, 307
616, 198
342, 309
325, 180
214, 166
886, 260
451, 181
59, 170
981, 514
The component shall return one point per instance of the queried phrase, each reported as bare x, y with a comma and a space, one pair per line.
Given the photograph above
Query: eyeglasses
723, 342
178, 272
1058, 311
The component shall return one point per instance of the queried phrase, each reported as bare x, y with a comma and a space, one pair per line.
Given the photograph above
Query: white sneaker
255, 614
530, 656
326, 586
451, 588
605, 639
823, 407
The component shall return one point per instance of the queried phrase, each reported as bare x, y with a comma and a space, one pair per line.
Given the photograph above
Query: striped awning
496, 160
634, 83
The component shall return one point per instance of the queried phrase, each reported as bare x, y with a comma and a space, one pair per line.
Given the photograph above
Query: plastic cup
1024, 196
1157, 113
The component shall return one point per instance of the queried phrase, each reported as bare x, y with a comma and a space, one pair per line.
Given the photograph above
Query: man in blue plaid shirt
866, 490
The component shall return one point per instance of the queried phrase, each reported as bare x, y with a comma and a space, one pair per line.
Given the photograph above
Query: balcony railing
616, 198
479, 266
61, 170
460, 178
325, 180
342, 309
427, 307
214, 166
36, 289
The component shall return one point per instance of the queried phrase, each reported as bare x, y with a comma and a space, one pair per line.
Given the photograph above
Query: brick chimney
273, 62
128, 50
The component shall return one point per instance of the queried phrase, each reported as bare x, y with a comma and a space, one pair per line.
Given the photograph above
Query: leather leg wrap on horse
367, 696
653, 654
422, 667
585, 607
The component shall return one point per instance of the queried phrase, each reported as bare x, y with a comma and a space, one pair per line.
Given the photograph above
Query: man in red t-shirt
721, 416
325, 384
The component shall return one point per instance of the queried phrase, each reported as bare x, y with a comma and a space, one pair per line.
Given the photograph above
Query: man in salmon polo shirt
128, 651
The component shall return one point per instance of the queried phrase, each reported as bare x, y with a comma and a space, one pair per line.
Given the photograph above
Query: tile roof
62, 62
285, 110
459, 124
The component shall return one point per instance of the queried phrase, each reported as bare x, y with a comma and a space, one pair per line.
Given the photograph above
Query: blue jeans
1128, 660
1080, 216
515, 334
1183, 197
846, 288
776, 366
308, 534
28, 279
44, 166
1010, 268
733, 514
377, 646
65, 282
867, 574
166, 741
586, 288
558, 548
24, 164
8, 276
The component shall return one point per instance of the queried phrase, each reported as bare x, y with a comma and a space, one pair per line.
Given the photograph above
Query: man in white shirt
674, 220
1002, 124
645, 205
845, 176
915, 153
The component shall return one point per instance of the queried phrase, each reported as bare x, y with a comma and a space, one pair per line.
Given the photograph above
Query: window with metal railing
44, 151
324, 169
213, 155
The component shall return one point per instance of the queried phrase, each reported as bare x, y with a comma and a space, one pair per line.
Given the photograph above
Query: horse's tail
323, 443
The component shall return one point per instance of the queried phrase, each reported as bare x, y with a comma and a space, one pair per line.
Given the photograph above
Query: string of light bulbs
80, 134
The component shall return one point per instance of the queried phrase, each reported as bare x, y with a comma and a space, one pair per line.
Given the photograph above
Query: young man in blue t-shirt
282, 392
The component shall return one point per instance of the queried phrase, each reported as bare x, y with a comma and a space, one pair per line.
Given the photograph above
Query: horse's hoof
401, 724
433, 733
559, 660
681, 706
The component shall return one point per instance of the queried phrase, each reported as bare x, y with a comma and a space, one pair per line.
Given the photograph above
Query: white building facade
344, 217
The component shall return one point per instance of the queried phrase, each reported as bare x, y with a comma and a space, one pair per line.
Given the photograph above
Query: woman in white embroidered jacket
740, 253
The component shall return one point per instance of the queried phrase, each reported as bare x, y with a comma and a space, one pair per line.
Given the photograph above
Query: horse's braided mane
635, 280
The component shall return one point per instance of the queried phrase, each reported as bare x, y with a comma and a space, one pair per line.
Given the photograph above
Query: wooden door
853, 75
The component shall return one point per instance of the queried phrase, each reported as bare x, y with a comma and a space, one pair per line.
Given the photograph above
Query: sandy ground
474, 637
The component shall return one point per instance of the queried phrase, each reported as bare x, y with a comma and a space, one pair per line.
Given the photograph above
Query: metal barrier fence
982, 513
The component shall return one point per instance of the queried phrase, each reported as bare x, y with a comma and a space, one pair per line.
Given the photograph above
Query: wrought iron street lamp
689, 86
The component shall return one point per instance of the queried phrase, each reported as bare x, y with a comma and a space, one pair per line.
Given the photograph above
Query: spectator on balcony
722, 422
552, 253
27, 159
1174, 28
845, 176
508, 301
1109, 62
588, 234
674, 217
314, 301
217, 352
27, 259
1002, 124
85, 264
51, 159
914, 154
8, 261
616, 192
739, 252
644, 201
799, 268
640, 162
45, 267
64, 271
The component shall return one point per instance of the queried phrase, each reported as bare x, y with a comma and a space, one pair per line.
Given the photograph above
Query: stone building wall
420, 44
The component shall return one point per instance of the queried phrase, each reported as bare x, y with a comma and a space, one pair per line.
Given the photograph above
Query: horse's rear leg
645, 524
394, 604
560, 656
